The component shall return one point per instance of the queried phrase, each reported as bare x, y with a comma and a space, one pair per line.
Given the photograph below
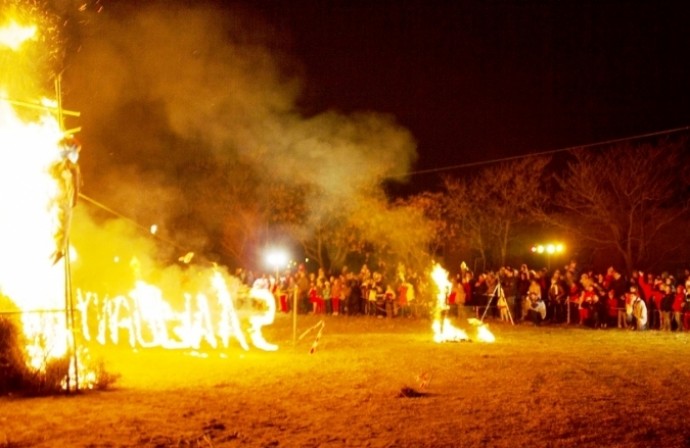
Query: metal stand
498, 293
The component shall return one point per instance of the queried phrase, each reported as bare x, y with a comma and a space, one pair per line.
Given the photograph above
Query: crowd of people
587, 298
564, 296
346, 293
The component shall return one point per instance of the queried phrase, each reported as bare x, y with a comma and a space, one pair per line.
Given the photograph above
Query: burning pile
39, 180
444, 330
30, 157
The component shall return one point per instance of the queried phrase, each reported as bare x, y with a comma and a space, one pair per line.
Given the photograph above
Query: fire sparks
146, 319
444, 330
14, 35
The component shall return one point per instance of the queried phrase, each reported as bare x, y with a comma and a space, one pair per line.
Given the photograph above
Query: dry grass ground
539, 387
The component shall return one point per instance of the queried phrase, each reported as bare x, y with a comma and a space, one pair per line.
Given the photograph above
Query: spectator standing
624, 306
611, 308
536, 309
452, 297
522, 290
461, 300
639, 311
336, 294
508, 280
618, 283
302, 291
666, 307
678, 307
573, 303
502, 305
327, 299
686, 312
586, 302
654, 296
557, 300
354, 297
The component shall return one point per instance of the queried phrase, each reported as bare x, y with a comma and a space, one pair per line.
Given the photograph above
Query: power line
130, 220
553, 151
429, 171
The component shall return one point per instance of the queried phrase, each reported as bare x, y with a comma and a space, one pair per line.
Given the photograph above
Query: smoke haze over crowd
179, 102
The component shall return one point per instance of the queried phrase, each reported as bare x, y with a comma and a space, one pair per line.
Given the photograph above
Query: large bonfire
39, 175
31, 273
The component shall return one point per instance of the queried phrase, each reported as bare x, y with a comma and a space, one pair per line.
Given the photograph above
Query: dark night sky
475, 80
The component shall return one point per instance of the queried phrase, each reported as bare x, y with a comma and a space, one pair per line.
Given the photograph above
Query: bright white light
277, 258
550, 248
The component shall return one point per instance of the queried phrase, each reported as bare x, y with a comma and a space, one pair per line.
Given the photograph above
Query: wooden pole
69, 299
36, 106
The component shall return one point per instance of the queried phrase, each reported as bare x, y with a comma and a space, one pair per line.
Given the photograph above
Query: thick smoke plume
184, 105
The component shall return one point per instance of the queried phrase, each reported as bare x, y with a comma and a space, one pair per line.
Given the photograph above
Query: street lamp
277, 259
549, 249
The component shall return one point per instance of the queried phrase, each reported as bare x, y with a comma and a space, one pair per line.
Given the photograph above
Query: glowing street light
549, 249
277, 259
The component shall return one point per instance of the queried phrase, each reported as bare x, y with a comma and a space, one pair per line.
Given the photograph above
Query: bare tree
488, 206
322, 225
624, 198
467, 216
395, 232
433, 207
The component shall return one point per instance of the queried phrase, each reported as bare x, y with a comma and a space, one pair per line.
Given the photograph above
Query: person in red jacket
612, 308
587, 304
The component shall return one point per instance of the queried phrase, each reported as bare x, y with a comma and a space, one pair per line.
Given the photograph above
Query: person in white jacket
639, 310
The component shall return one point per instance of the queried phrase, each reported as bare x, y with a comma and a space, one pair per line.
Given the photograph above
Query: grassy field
540, 387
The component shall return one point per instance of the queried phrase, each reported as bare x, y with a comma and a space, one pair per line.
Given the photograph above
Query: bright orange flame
31, 218
14, 35
260, 320
444, 331
150, 321
483, 332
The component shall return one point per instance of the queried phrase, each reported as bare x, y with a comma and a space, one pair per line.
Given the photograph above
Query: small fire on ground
444, 330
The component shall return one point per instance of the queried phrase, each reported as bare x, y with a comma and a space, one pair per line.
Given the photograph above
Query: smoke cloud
182, 104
